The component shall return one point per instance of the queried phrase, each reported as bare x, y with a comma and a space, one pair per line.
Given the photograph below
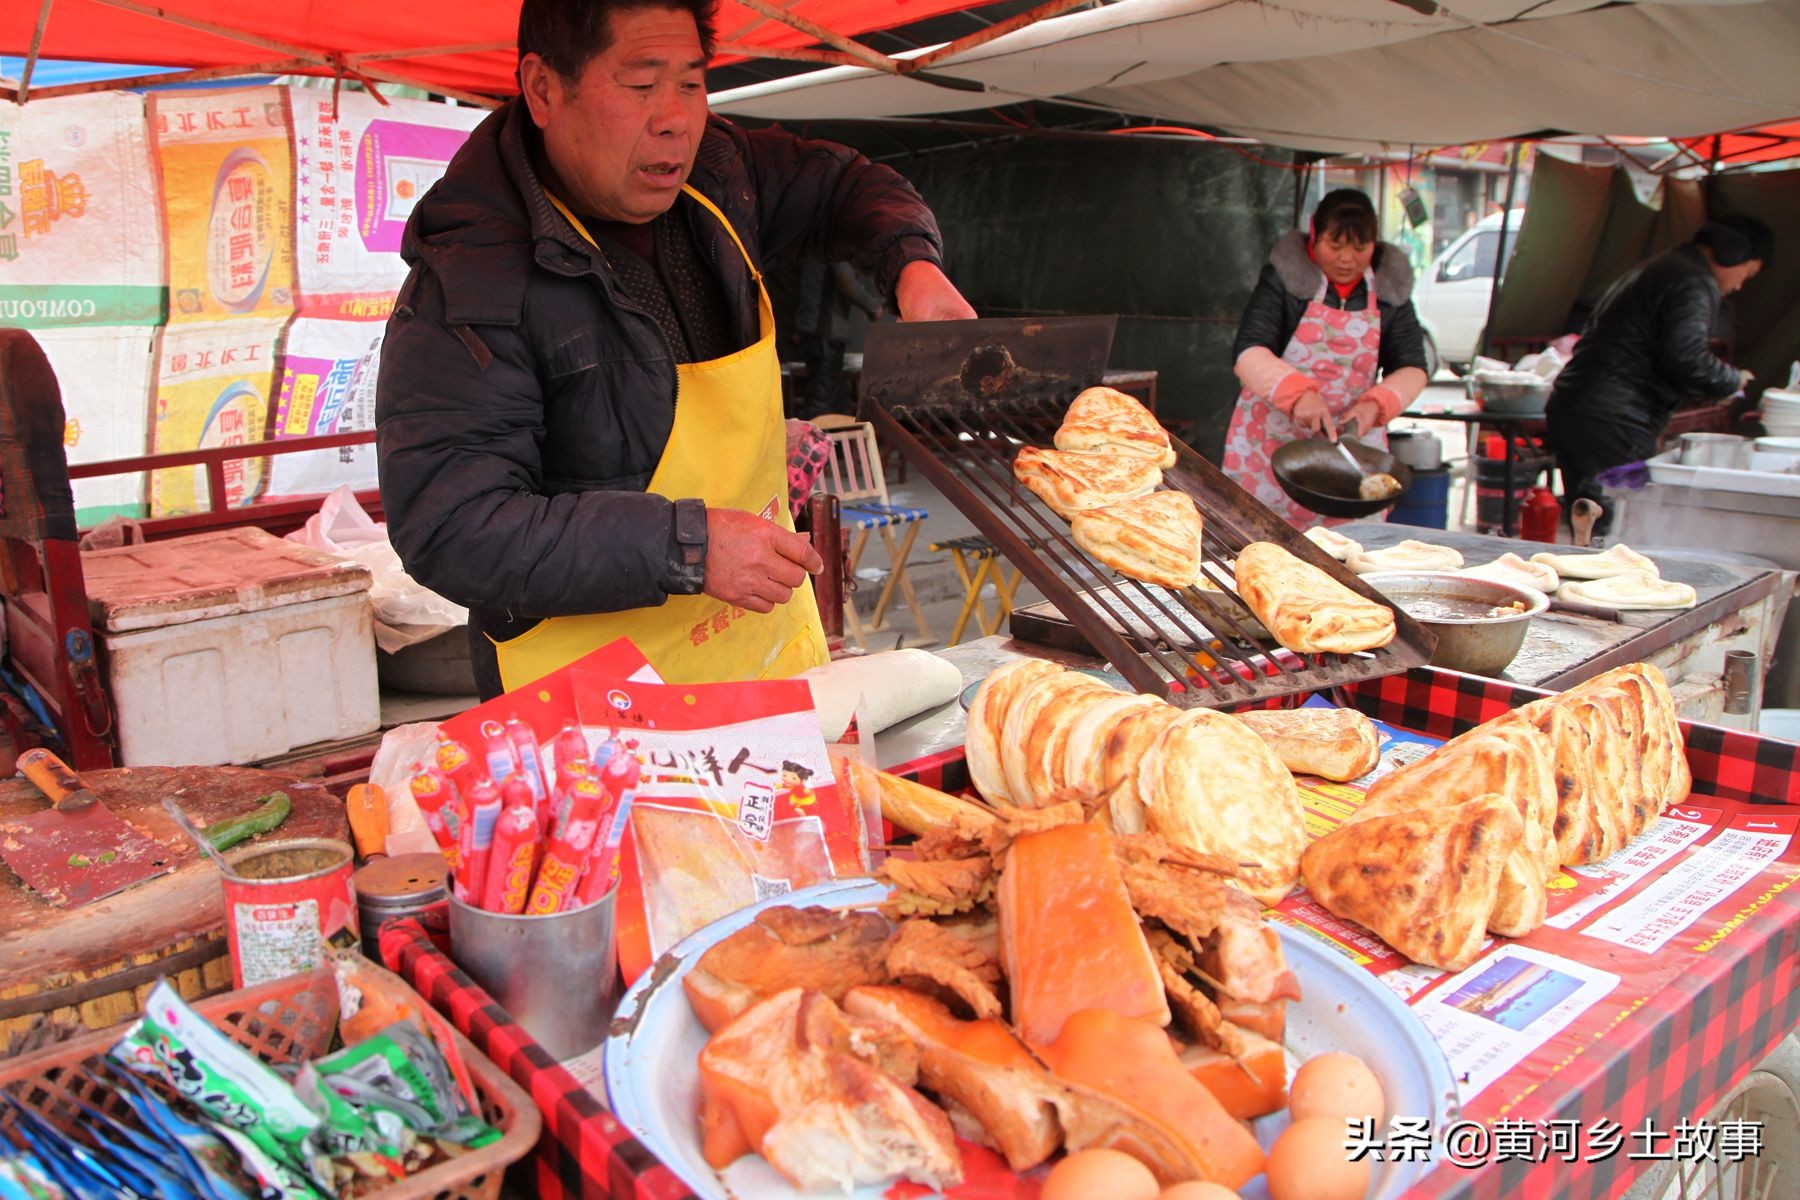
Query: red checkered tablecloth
1669, 1059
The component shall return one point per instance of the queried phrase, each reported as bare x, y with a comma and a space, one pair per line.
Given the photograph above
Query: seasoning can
286, 899
404, 886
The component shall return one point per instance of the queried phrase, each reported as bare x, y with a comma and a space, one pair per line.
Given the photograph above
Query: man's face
1732, 279
623, 139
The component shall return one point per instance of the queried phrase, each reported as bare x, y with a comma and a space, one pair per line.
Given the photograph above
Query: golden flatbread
1513, 760
1020, 746
1070, 483
1084, 750
1126, 746
1105, 421
1425, 879
1307, 610
1155, 538
1339, 744
1212, 785
987, 721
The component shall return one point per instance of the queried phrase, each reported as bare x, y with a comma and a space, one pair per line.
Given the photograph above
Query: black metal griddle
960, 399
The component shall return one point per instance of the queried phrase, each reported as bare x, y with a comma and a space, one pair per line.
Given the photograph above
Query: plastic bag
405, 612
400, 748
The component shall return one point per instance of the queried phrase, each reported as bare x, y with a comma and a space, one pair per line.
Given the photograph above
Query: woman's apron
1340, 348
728, 447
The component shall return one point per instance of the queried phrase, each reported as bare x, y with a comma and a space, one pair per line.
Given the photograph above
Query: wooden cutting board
38, 941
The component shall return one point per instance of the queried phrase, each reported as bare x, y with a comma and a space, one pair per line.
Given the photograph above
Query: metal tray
960, 399
653, 1074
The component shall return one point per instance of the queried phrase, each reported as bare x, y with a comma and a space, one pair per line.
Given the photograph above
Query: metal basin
1476, 644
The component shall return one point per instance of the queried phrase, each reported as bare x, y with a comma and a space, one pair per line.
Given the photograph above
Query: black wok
1313, 472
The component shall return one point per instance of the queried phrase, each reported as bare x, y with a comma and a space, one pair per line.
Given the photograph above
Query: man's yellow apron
729, 448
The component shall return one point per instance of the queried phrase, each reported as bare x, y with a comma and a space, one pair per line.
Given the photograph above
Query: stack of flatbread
1466, 841
1618, 577
1307, 610
1102, 478
1333, 543
1038, 734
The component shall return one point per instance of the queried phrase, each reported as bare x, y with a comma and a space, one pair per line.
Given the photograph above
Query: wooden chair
853, 473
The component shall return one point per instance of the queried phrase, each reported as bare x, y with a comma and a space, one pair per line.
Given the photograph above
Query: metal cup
556, 975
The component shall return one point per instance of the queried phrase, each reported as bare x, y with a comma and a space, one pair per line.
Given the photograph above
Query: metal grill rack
1192, 647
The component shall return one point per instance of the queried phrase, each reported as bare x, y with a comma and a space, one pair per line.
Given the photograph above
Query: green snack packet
221, 1078
401, 1072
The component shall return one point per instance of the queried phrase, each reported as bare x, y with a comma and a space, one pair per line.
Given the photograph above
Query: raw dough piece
1614, 560
1409, 555
1632, 589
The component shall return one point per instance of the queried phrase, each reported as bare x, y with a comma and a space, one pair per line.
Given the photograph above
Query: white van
1452, 296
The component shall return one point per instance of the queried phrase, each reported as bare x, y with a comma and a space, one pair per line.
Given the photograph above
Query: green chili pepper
272, 812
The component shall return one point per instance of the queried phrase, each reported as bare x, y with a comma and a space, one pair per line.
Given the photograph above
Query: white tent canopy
1344, 75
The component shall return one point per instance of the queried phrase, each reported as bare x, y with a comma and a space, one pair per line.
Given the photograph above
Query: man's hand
754, 563
1311, 416
926, 294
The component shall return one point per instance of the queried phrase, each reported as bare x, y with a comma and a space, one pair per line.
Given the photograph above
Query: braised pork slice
816, 948
801, 1082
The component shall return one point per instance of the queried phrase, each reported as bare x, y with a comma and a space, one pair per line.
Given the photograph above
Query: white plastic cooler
232, 647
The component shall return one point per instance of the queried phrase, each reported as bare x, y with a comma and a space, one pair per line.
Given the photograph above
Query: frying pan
1312, 471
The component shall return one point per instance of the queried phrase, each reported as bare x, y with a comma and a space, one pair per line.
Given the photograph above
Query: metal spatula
78, 851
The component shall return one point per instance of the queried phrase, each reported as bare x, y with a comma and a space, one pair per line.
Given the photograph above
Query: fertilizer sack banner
104, 372
358, 174
80, 234
213, 384
328, 371
228, 202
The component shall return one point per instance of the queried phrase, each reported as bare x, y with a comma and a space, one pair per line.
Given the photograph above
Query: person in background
579, 415
1647, 348
828, 291
1328, 339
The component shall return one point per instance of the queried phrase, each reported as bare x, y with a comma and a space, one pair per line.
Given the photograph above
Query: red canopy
1765, 143
450, 46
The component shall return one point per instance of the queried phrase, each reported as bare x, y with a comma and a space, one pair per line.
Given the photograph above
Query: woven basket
279, 1023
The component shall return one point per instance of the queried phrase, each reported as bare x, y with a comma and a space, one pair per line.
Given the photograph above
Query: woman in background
1329, 338
1647, 348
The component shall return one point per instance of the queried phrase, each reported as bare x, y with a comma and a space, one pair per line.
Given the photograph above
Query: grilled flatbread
1030, 727
1410, 555
1155, 538
1070, 483
1084, 749
1512, 760
1105, 421
1212, 785
1614, 560
1631, 590
1333, 542
1126, 746
1510, 568
1307, 610
987, 721
1425, 879
1339, 744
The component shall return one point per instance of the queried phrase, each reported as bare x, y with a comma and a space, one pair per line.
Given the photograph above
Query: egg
1336, 1085
1195, 1190
1092, 1174
1309, 1162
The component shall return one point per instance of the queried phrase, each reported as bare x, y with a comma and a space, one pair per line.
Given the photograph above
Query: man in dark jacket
1647, 348
563, 280
828, 291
